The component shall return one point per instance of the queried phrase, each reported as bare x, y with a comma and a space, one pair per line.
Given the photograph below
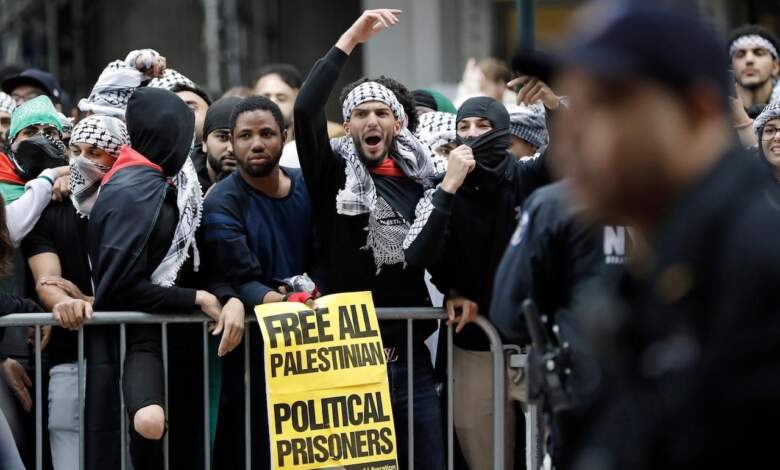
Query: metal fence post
497, 348
38, 400
206, 418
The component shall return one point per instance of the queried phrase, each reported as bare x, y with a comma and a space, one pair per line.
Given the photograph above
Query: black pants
143, 385
229, 443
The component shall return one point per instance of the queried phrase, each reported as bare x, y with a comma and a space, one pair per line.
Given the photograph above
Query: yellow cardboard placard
326, 380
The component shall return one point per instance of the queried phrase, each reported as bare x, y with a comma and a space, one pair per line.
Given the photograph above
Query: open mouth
373, 140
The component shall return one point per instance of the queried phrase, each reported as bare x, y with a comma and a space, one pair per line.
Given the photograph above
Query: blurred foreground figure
689, 347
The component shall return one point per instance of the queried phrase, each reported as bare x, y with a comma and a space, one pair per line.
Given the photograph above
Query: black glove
36, 154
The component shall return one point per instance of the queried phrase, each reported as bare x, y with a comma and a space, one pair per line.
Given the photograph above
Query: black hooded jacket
476, 223
130, 230
135, 216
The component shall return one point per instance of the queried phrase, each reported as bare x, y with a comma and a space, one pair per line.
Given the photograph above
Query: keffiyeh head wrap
386, 240
171, 80
7, 103
752, 41
117, 83
373, 91
770, 112
436, 129
528, 123
106, 133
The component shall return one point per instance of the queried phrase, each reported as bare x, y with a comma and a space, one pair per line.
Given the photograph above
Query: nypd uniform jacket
692, 352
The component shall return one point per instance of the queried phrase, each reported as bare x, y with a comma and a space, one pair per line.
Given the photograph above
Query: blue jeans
428, 423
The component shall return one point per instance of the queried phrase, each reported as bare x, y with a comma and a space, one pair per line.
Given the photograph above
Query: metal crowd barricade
124, 318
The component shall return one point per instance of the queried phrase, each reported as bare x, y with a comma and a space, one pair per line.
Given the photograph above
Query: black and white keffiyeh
117, 83
84, 183
436, 129
104, 132
752, 41
170, 80
189, 200
7, 103
388, 232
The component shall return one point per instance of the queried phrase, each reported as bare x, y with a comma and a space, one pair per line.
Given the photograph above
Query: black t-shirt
61, 231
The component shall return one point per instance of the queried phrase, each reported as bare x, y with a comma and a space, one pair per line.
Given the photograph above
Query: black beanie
218, 115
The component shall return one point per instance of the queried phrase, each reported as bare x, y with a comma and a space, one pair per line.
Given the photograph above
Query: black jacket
474, 226
691, 351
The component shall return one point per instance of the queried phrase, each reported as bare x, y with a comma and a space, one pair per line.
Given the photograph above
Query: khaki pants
473, 408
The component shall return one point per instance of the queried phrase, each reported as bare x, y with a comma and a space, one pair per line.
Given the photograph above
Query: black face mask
490, 148
36, 154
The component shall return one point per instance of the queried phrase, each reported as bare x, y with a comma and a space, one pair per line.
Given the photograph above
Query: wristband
742, 126
299, 297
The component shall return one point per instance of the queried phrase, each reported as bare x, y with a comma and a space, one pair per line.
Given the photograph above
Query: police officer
562, 259
690, 347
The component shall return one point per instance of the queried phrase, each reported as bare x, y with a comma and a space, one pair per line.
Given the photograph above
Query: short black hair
287, 72
255, 103
404, 96
753, 29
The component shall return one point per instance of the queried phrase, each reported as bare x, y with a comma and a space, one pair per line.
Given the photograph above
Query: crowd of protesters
605, 198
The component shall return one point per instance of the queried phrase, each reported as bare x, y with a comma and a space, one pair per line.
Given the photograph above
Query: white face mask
85, 179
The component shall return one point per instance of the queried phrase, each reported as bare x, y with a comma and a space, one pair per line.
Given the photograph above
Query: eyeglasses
769, 133
21, 99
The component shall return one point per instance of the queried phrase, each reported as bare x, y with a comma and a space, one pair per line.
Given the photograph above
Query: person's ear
284, 136
397, 127
203, 146
775, 68
346, 126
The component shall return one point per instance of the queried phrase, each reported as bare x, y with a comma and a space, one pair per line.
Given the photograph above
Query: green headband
34, 112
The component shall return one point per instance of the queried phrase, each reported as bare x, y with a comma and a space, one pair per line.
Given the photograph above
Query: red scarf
127, 158
7, 171
388, 167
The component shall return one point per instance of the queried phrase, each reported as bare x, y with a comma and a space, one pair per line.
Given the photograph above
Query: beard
373, 161
216, 164
260, 170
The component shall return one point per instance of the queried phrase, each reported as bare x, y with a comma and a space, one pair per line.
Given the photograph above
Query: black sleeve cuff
442, 200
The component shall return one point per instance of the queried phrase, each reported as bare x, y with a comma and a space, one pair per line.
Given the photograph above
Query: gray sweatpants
64, 415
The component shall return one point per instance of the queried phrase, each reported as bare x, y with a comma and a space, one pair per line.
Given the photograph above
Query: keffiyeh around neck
189, 200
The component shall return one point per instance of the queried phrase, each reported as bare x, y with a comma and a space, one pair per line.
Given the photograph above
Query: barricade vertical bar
38, 400
450, 393
164, 332
410, 388
206, 417
247, 404
532, 444
497, 348
82, 398
122, 412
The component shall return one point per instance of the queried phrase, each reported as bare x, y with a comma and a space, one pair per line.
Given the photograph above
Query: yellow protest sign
326, 380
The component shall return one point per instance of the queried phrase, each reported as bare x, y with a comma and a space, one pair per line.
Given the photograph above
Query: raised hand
370, 23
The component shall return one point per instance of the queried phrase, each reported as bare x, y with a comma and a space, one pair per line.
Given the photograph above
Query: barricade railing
37, 320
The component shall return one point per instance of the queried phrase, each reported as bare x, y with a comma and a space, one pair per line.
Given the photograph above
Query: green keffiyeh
36, 111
